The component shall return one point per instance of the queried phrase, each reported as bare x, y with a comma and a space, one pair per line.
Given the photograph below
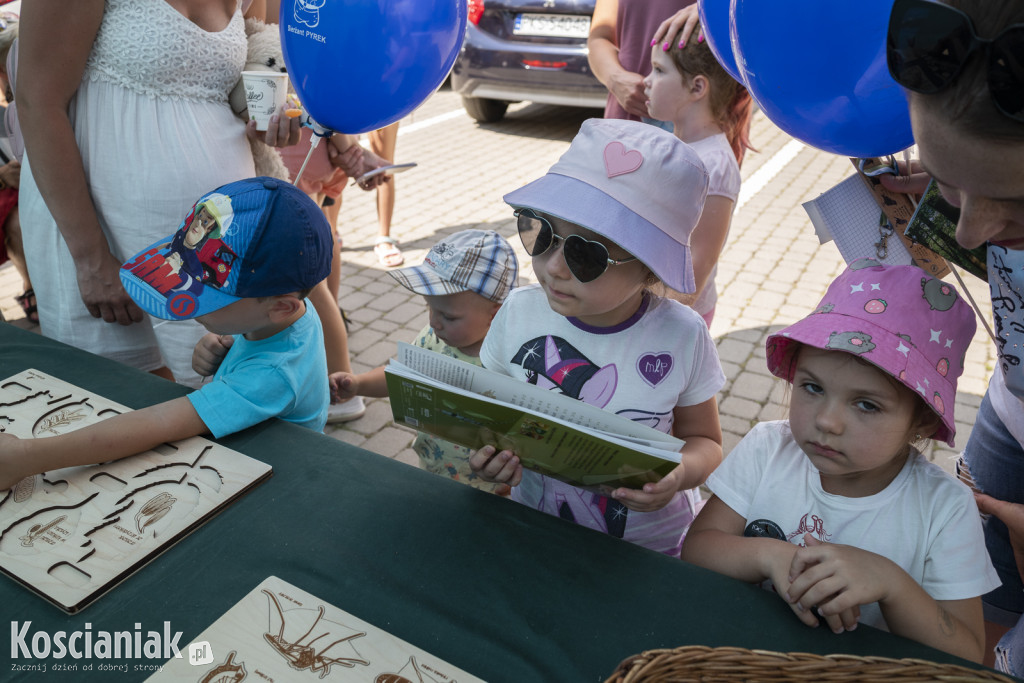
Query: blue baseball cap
250, 238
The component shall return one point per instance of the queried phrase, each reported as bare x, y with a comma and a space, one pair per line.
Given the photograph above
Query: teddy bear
264, 54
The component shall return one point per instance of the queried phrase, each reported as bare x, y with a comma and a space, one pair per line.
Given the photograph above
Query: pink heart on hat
618, 161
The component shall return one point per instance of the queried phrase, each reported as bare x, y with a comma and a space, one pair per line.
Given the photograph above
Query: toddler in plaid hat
464, 278
835, 507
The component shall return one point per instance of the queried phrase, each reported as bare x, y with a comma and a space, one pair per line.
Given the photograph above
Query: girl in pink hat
836, 508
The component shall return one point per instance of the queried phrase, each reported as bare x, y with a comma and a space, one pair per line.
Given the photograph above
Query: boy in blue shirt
270, 245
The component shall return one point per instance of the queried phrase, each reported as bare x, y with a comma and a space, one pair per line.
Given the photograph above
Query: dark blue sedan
534, 50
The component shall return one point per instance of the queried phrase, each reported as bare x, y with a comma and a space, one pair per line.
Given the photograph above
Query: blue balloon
817, 69
714, 22
358, 65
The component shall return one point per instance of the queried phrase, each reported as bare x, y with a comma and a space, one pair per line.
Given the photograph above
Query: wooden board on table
281, 633
73, 534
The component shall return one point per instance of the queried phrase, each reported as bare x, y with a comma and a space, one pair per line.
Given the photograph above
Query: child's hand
209, 353
654, 496
343, 386
500, 468
775, 563
838, 579
14, 461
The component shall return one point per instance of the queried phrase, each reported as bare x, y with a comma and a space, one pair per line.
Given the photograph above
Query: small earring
917, 437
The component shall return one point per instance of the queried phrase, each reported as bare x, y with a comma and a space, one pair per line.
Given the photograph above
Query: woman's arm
627, 87
54, 44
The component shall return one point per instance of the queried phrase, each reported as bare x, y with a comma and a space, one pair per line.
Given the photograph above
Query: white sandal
387, 251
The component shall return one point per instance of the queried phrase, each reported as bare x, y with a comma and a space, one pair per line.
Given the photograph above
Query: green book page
545, 444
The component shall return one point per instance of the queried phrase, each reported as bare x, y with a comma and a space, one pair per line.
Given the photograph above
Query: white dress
155, 131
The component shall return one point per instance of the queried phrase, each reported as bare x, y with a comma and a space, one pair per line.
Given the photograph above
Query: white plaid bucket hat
479, 261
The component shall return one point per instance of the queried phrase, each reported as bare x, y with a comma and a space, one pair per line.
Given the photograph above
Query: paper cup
265, 93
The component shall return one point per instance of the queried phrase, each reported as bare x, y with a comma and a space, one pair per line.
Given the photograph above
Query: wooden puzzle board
73, 534
281, 633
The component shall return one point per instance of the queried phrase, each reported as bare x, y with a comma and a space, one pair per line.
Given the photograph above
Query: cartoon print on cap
851, 342
876, 306
942, 367
197, 253
824, 308
940, 406
443, 251
938, 294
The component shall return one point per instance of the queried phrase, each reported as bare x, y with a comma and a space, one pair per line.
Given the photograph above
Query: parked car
533, 50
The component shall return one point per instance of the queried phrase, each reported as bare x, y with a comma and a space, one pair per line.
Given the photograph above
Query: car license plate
557, 25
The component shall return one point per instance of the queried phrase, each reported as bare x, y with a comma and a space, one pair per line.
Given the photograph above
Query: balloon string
313, 142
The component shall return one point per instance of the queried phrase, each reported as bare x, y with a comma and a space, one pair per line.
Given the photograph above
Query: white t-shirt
724, 181
925, 521
662, 357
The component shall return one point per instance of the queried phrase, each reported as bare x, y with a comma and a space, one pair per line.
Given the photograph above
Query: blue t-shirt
281, 376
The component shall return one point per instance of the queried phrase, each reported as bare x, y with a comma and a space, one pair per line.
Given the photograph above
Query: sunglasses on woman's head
929, 43
587, 260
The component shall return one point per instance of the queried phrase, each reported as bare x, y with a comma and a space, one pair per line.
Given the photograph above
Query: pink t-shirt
635, 26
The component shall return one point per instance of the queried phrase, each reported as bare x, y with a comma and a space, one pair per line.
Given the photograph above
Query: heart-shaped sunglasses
587, 260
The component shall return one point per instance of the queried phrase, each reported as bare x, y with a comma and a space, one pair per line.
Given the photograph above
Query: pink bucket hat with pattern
636, 184
912, 326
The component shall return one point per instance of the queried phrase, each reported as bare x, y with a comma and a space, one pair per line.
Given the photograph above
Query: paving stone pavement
772, 271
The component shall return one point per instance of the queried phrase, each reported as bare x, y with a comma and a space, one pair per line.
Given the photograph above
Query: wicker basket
735, 665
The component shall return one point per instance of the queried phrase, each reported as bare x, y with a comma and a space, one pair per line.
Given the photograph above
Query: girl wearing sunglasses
609, 220
962, 64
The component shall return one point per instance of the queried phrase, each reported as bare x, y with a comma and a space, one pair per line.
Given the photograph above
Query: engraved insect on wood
38, 530
303, 655
412, 668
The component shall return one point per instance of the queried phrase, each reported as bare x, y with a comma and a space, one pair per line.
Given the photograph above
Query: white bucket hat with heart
639, 186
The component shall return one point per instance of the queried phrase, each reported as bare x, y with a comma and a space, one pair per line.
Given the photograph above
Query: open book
551, 433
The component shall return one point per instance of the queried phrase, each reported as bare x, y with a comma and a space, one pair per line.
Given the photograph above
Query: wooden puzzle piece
279, 632
305, 655
72, 534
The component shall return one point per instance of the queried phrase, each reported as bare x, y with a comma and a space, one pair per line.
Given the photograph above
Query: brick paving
771, 273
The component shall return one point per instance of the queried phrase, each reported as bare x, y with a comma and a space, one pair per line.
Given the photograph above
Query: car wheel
484, 110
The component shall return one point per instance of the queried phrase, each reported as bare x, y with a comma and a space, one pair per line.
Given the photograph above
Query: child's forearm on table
956, 627
743, 558
117, 437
